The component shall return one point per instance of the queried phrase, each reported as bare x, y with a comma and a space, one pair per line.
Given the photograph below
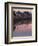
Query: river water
23, 30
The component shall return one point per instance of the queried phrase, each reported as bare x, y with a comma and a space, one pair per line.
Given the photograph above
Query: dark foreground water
28, 33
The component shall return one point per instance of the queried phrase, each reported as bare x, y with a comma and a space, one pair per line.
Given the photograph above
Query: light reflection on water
23, 27
23, 30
